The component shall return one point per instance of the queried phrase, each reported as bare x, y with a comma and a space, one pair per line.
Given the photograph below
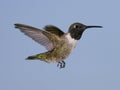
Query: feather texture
40, 36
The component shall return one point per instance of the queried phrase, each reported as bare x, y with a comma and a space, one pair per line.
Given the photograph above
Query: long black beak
93, 26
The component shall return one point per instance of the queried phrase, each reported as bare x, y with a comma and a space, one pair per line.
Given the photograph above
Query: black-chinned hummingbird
58, 43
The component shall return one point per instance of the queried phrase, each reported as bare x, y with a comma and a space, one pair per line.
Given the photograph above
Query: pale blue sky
93, 65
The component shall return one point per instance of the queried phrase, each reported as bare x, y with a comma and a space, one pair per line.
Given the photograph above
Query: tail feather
42, 57
31, 57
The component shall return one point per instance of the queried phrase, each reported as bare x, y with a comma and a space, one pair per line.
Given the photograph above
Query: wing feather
53, 29
40, 36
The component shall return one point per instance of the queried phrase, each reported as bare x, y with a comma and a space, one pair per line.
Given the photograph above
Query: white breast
71, 40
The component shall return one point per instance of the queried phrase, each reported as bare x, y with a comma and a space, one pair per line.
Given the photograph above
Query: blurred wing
38, 35
53, 29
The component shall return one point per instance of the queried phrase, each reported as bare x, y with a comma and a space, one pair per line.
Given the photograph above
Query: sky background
93, 65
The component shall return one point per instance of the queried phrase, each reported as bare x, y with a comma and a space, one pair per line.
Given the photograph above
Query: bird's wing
42, 37
53, 29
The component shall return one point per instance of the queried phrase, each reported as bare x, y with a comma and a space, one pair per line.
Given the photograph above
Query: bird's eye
76, 26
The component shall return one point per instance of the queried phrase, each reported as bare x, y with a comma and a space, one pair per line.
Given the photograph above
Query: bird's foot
61, 64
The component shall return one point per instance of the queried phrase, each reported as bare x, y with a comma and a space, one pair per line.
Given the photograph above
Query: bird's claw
61, 64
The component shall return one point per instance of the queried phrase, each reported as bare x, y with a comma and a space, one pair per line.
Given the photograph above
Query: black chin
76, 35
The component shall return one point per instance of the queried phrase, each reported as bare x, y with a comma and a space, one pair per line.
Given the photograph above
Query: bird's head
76, 30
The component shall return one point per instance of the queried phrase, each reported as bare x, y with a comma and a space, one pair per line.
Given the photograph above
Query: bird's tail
31, 57
42, 57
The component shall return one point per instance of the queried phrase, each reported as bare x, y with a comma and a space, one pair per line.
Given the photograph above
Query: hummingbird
59, 45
